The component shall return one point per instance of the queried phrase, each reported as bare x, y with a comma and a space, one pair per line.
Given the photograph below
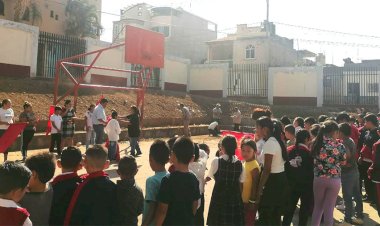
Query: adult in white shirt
90, 134
186, 116
113, 131
100, 121
271, 193
217, 113
6, 119
213, 129
236, 119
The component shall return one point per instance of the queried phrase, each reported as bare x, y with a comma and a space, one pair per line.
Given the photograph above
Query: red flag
48, 127
11, 135
239, 136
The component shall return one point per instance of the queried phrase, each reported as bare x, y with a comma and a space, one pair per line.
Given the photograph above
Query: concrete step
41, 141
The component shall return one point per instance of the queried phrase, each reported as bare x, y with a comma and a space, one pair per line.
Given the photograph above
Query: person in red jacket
365, 159
374, 171
14, 179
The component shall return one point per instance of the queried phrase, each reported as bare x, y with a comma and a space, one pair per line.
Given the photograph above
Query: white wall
209, 77
297, 82
19, 44
113, 58
176, 71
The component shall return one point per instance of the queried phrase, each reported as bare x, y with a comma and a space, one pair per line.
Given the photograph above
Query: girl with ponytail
328, 156
269, 198
299, 170
226, 207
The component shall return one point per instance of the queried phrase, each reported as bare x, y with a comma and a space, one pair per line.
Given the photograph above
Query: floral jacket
332, 155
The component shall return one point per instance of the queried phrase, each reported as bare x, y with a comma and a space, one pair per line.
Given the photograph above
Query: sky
336, 21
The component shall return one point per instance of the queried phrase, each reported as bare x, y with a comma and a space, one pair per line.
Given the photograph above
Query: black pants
99, 134
213, 132
56, 142
368, 184
269, 216
237, 127
199, 216
2, 131
306, 197
27, 137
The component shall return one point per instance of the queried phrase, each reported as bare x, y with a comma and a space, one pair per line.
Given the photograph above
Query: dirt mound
158, 104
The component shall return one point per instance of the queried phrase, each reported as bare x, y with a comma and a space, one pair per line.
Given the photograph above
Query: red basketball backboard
144, 47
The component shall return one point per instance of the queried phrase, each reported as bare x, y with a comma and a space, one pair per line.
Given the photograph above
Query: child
198, 167
252, 169
226, 207
14, 179
94, 200
6, 119
65, 184
299, 170
170, 143
205, 148
213, 129
113, 131
374, 171
158, 157
179, 191
39, 199
350, 178
290, 135
298, 123
56, 129
309, 121
129, 196
90, 134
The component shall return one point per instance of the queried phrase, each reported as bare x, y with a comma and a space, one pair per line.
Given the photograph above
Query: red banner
11, 135
239, 136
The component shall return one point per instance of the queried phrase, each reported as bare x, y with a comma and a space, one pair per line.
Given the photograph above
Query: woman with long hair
68, 125
271, 192
134, 130
29, 117
299, 170
328, 156
6, 118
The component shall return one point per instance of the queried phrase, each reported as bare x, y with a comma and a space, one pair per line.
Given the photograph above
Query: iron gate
351, 86
53, 47
248, 80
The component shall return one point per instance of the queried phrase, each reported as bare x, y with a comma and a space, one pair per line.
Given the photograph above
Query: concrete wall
209, 80
19, 47
295, 86
113, 58
175, 74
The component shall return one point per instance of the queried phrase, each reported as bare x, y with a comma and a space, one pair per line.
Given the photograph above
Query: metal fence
249, 80
154, 80
53, 47
351, 86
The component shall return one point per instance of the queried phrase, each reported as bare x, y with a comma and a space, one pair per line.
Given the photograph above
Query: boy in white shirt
56, 129
6, 119
113, 131
90, 133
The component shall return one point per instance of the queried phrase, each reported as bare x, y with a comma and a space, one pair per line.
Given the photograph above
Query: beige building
52, 12
259, 45
186, 34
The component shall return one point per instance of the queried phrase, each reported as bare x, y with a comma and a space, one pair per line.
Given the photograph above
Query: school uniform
374, 173
299, 170
226, 207
94, 202
56, 136
12, 214
64, 186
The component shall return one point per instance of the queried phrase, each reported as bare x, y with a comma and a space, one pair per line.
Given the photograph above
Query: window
373, 87
2, 8
26, 14
165, 30
52, 14
56, 17
140, 13
250, 52
140, 8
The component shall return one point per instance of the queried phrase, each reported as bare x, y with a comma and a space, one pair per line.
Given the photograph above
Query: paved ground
145, 171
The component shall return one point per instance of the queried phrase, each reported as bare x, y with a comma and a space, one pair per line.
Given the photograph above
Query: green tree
27, 10
20, 8
82, 19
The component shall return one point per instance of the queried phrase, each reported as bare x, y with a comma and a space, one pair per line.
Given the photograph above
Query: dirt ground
371, 218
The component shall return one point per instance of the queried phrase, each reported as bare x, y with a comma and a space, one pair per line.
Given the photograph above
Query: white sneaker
341, 207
